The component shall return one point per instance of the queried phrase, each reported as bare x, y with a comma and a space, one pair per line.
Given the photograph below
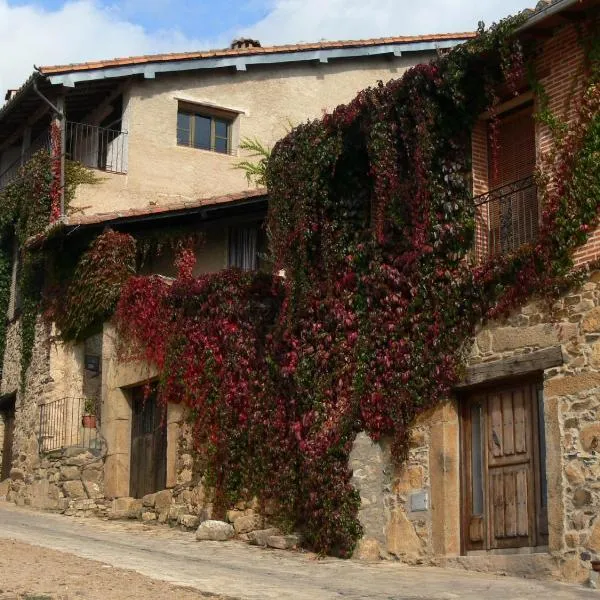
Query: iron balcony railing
93, 146
13, 170
506, 218
96, 147
69, 422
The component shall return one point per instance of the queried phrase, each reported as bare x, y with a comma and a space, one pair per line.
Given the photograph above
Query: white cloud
291, 21
80, 30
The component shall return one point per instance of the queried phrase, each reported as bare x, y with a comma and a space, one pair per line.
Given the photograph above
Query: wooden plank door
148, 470
502, 480
7, 445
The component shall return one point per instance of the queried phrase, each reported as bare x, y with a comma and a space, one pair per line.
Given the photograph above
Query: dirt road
237, 570
29, 572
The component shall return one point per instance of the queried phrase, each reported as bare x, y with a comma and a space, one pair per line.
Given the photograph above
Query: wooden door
8, 417
503, 483
148, 470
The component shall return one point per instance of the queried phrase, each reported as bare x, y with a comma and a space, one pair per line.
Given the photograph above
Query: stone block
93, 490
189, 521
148, 516
121, 504
135, 509
17, 474
215, 530
593, 542
248, 523
591, 321
571, 384
4, 488
367, 550
574, 474
74, 489
163, 500
233, 515
582, 497
259, 537
590, 438
94, 475
69, 472
149, 500
401, 537
176, 511
80, 459
539, 336
410, 478
283, 542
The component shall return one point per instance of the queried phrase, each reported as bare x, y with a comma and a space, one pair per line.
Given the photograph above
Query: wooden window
204, 128
503, 477
512, 210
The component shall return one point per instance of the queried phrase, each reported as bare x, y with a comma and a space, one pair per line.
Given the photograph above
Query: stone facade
571, 401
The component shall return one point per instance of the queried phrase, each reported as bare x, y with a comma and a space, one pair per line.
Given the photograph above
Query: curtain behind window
243, 248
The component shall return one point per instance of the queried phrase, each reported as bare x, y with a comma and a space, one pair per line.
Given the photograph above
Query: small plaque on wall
419, 502
92, 363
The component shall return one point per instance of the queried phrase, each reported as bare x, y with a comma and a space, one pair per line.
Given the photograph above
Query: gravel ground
33, 573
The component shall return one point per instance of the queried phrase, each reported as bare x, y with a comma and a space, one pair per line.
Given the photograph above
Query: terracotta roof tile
99, 218
119, 62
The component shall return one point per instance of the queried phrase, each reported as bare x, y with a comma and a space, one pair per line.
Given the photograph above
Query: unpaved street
28, 572
237, 570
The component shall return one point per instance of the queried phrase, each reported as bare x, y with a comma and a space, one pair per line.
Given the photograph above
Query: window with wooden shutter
511, 205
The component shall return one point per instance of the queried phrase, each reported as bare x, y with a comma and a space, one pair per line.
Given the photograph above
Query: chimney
10, 94
242, 43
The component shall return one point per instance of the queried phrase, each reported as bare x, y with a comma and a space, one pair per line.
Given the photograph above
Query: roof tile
119, 62
99, 218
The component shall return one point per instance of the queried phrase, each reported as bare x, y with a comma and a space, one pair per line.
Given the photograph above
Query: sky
47, 32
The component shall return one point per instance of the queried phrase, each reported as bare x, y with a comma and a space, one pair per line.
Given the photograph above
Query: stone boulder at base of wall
284, 542
217, 531
260, 536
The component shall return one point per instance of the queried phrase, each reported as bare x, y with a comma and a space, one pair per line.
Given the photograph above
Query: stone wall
70, 480
571, 406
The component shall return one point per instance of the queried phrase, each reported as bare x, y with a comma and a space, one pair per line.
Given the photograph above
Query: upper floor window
508, 213
204, 129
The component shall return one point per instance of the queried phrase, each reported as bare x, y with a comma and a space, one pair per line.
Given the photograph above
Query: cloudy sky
45, 32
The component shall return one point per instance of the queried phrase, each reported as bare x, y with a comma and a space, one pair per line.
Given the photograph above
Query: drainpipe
59, 114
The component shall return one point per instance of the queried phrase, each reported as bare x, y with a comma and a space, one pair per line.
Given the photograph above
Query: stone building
505, 475
163, 134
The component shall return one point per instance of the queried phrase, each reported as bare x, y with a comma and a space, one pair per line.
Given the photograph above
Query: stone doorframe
519, 366
118, 377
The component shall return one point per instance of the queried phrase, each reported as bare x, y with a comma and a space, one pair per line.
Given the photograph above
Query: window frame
214, 115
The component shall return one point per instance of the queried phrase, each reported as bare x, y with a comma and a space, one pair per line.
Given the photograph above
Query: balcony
92, 146
96, 147
506, 218
66, 423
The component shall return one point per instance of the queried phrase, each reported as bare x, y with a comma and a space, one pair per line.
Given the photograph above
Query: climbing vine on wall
372, 219
27, 207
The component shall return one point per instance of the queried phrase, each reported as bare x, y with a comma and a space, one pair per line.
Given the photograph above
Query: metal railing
64, 423
13, 170
96, 147
506, 219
